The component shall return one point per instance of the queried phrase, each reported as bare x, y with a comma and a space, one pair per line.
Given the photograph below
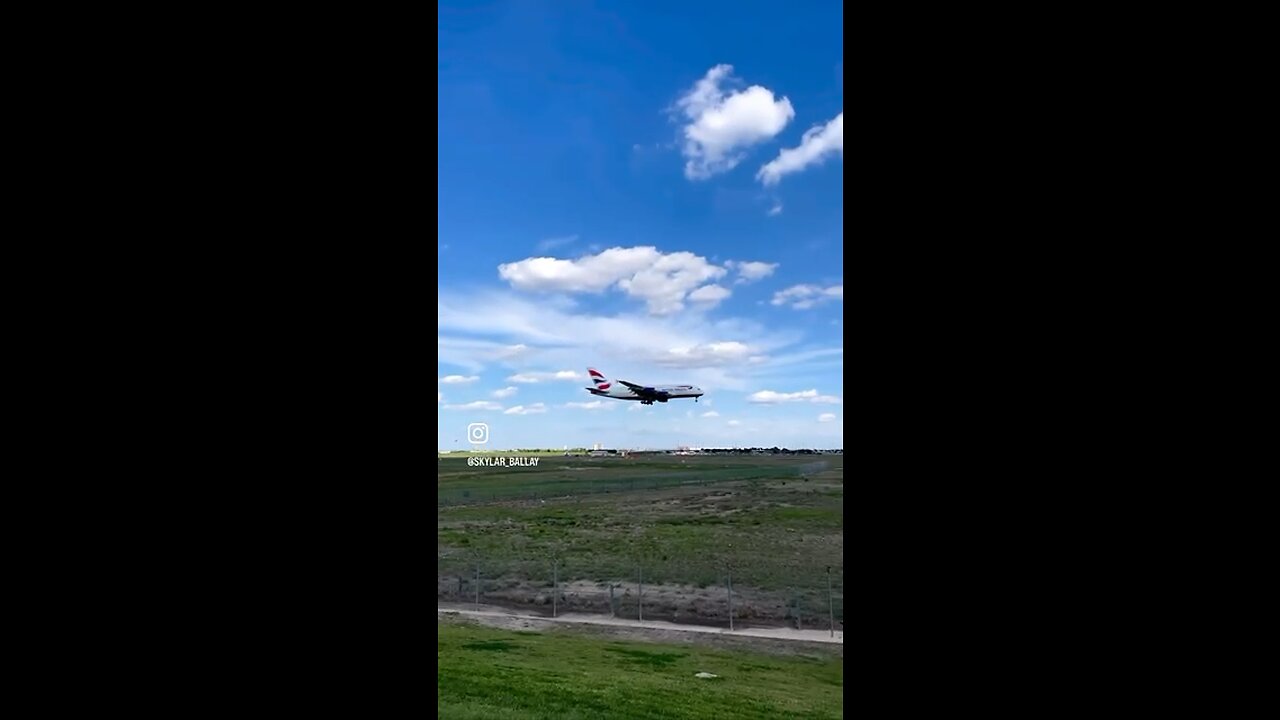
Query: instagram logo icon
478, 433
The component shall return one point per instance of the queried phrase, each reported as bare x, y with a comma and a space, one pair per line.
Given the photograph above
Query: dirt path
507, 618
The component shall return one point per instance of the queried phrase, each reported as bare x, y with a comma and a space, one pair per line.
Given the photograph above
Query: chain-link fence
554, 587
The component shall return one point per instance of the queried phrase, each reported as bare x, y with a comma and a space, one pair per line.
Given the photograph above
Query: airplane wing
643, 391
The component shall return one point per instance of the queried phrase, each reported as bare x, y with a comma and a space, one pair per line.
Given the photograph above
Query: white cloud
711, 413
752, 271
457, 379
593, 405
775, 210
505, 392
662, 280
769, 397
735, 423
477, 405
592, 273
512, 351
722, 125
469, 353
709, 353
439, 397
803, 297
709, 295
537, 377
635, 407
717, 353
816, 146
534, 409
555, 242
826, 417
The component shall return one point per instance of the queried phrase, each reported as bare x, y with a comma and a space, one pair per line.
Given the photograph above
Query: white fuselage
645, 394
621, 392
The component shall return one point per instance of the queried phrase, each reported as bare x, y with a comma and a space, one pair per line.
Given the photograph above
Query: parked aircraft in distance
647, 395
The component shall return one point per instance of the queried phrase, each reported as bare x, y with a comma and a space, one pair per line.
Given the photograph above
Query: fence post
555, 586
799, 613
640, 572
831, 606
613, 609
477, 587
730, 602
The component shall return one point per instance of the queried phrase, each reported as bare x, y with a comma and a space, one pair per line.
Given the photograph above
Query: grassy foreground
491, 673
778, 522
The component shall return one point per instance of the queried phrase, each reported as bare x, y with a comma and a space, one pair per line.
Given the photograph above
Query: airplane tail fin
598, 379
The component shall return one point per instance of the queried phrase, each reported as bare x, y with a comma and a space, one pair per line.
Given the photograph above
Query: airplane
631, 391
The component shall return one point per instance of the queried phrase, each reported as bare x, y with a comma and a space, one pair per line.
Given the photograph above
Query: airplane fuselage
663, 393
644, 394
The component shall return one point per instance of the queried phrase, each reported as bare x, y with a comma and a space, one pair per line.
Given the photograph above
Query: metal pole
477, 587
730, 602
799, 614
831, 607
555, 586
640, 570
613, 609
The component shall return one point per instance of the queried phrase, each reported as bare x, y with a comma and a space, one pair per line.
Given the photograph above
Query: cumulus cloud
717, 353
751, 271
477, 405
803, 297
722, 124
775, 210
711, 413
662, 280
709, 295
826, 417
458, 379
505, 392
537, 377
534, 409
769, 397
735, 423
725, 354
593, 405
510, 352
818, 144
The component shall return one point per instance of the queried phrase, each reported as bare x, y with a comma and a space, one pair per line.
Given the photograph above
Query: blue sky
651, 189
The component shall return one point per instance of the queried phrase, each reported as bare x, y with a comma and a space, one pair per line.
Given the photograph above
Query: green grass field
772, 523
492, 674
